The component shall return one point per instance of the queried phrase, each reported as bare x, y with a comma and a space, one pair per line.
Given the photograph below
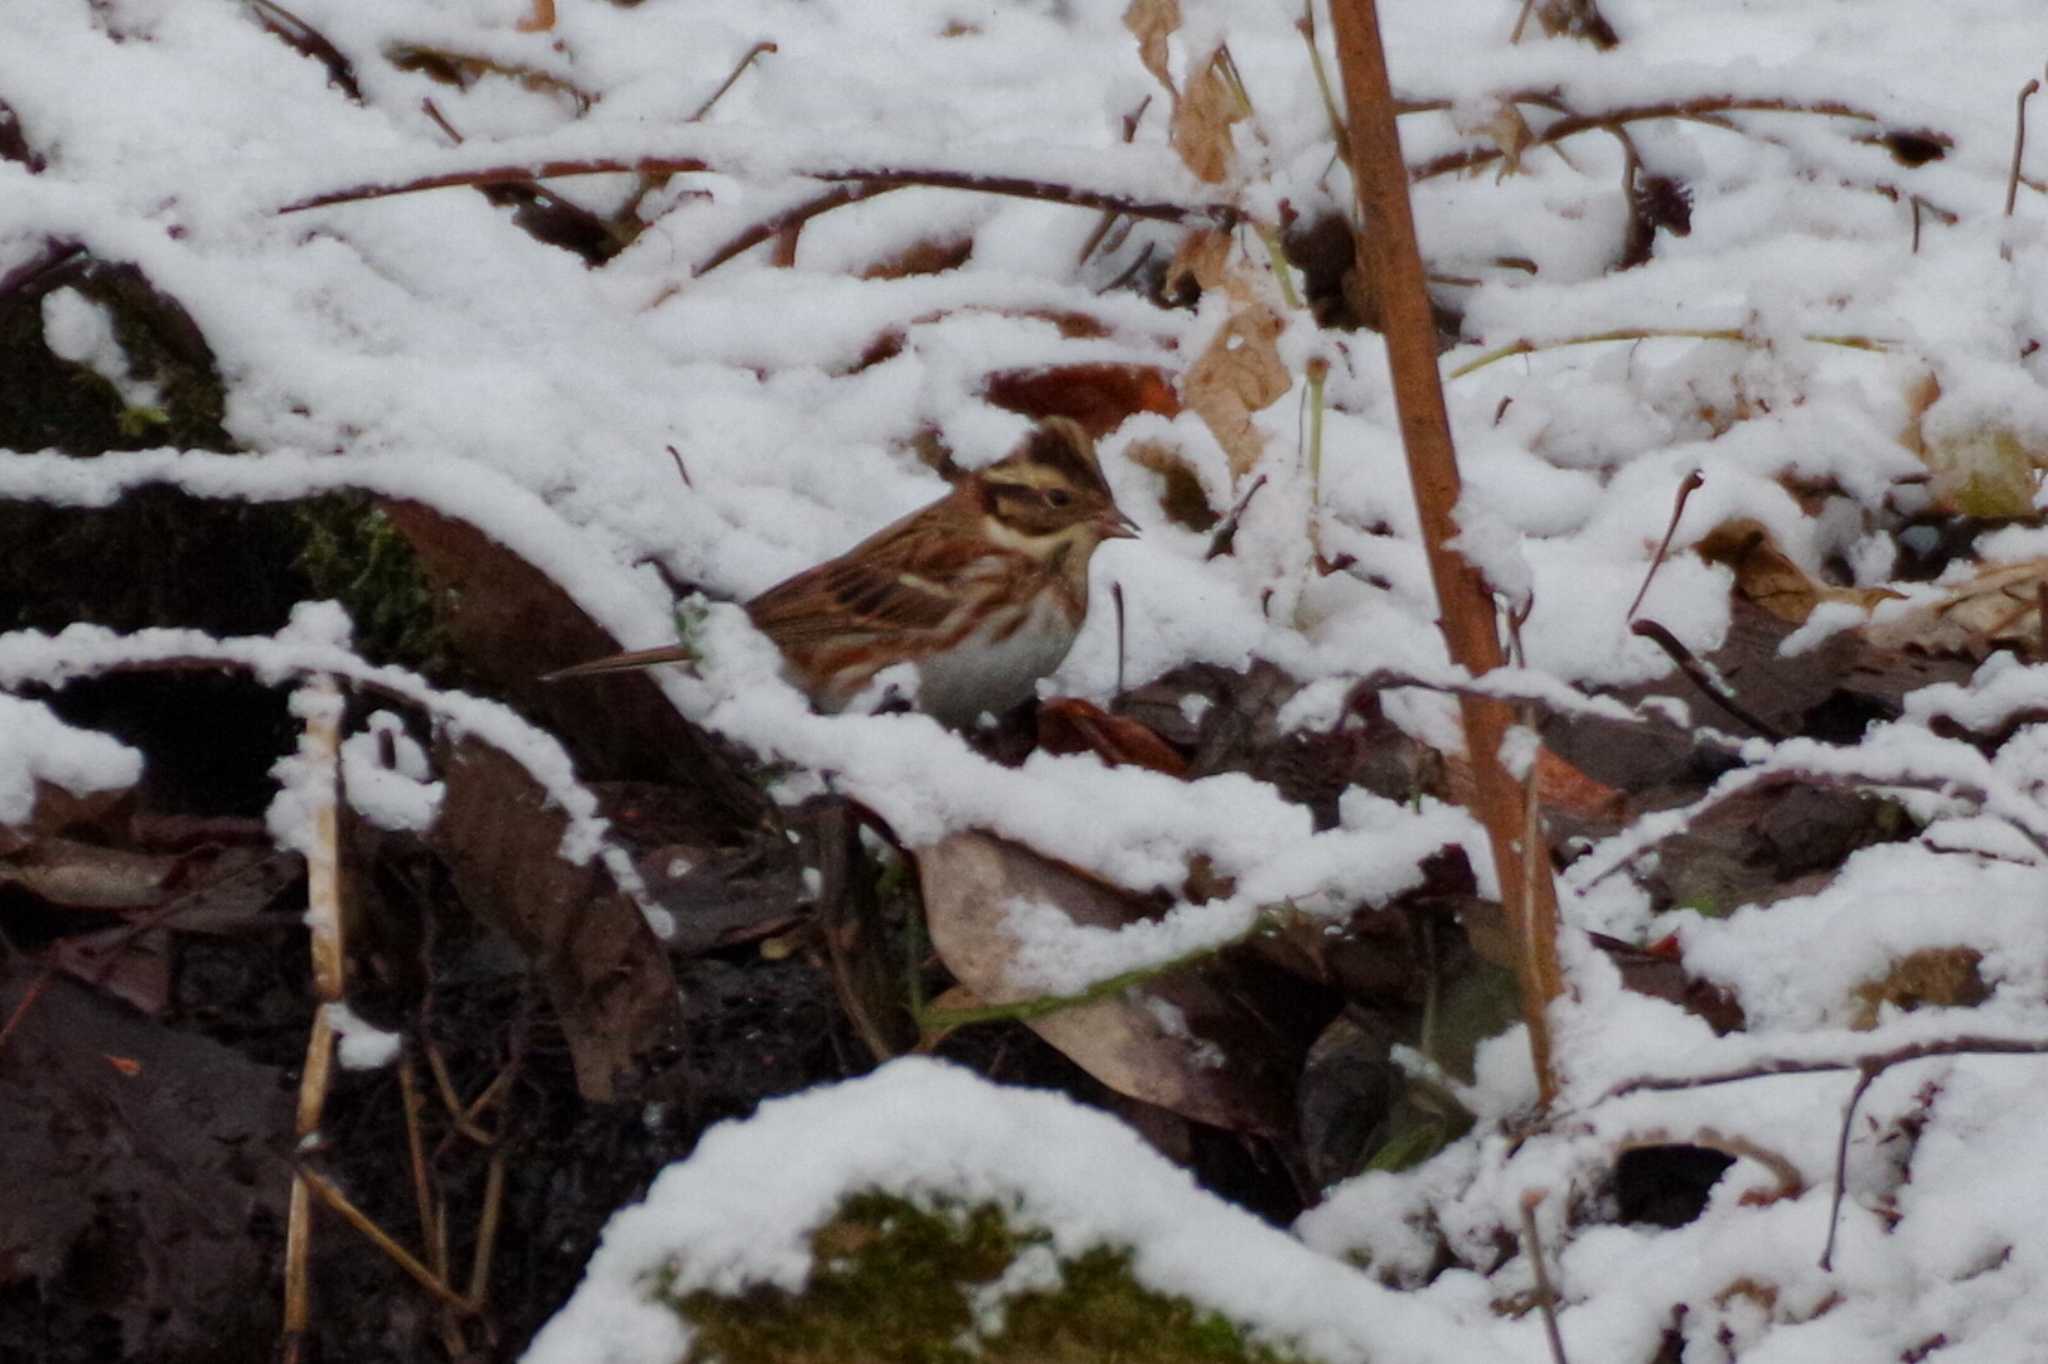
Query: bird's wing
909, 578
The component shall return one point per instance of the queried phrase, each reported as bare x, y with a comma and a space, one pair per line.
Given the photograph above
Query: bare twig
487, 1231
2019, 145
40, 983
1379, 180
52, 257
1686, 489
1546, 1293
334, 1198
837, 197
740, 69
1225, 536
1736, 334
1116, 595
1705, 109
1863, 1082
1697, 674
1966, 1045
413, 1102
891, 177
1521, 22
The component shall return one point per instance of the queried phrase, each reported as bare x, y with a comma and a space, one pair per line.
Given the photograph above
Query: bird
982, 591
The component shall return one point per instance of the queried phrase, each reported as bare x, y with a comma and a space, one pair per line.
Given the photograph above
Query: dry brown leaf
1240, 373
1560, 787
605, 972
1071, 725
1202, 120
1936, 976
1204, 257
1982, 470
1184, 500
2000, 607
1152, 22
1100, 396
1509, 131
1183, 1041
1766, 575
88, 876
926, 256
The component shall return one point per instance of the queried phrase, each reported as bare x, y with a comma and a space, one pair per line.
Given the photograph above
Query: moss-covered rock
897, 1282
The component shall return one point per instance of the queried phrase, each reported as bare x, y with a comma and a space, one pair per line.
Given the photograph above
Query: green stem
1318, 371
1306, 26
1526, 347
1226, 65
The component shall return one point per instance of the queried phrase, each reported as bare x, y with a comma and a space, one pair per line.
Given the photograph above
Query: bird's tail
628, 662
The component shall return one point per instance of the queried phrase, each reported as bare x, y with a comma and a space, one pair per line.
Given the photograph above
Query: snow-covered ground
423, 345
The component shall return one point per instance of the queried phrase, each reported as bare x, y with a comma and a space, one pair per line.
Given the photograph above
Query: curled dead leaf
1071, 725
1766, 575
1240, 373
1185, 1041
1999, 608
1152, 22
1982, 470
1099, 396
1202, 120
1184, 500
1932, 976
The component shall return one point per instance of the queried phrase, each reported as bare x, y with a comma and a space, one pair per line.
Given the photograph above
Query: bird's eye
1058, 497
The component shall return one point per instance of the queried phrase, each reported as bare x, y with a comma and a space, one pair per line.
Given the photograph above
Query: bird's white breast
983, 673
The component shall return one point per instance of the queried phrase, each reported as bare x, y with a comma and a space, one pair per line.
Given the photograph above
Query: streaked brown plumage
983, 590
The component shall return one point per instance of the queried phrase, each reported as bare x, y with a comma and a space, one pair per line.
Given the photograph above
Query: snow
740, 1210
35, 746
421, 346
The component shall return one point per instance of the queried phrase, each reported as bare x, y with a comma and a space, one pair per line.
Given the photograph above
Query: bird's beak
1116, 526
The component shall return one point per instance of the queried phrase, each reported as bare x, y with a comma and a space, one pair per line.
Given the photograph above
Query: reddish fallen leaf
127, 1065
1099, 396
134, 968
1560, 787
1071, 725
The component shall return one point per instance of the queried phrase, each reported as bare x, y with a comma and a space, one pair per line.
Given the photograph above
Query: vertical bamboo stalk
319, 704
1394, 259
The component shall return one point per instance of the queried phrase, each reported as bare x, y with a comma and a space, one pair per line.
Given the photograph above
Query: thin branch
892, 177
1697, 674
1863, 1082
1967, 1045
1736, 334
1686, 489
757, 50
1705, 110
1546, 1293
837, 197
2019, 145
334, 1198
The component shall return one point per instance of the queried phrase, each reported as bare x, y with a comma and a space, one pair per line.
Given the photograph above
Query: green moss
353, 554
896, 1283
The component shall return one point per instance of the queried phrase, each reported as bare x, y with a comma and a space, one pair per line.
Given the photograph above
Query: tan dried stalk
1391, 253
321, 748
